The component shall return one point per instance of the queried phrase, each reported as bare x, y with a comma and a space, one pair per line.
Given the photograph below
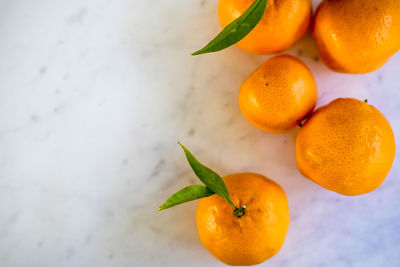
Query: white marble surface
93, 97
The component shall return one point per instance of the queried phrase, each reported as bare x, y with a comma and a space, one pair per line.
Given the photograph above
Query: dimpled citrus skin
250, 239
346, 146
283, 24
278, 95
357, 36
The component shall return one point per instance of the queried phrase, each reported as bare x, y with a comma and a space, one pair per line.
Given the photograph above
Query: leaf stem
233, 205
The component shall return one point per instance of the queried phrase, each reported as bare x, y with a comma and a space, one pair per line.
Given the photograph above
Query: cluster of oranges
346, 146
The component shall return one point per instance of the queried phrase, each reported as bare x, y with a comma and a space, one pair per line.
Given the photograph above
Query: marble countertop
93, 98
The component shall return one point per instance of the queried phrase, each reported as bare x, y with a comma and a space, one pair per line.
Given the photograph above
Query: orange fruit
346, 146
357, 36
283, 24
252, 238
279, 94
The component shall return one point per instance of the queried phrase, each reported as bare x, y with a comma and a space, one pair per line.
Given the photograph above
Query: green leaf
187, 194
211, 179
237, 29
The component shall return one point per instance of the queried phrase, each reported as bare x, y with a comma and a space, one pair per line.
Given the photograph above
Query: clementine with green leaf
242, 219
284, 22
255, 236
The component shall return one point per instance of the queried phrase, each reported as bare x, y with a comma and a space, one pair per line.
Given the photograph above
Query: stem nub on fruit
239, 212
